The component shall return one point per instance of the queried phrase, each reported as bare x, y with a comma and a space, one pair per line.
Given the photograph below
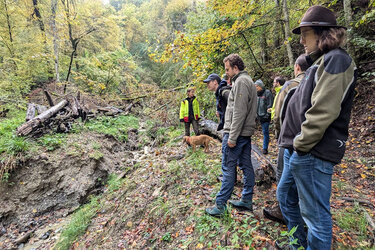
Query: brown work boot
274, 214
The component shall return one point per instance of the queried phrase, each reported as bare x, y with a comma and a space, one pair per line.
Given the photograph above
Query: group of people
311, 114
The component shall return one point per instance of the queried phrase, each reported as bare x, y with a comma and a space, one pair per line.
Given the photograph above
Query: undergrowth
114, 126
9, 142
78, 224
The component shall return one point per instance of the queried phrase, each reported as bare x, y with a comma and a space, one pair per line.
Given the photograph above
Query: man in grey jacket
239, 126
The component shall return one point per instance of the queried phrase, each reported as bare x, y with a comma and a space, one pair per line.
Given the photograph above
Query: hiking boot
217, 210
274, 214
265, 151
242, 204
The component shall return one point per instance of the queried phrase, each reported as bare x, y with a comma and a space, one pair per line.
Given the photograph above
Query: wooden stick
49, 98
356, 200
369, 219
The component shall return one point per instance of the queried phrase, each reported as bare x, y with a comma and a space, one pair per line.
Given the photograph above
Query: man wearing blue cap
222, 90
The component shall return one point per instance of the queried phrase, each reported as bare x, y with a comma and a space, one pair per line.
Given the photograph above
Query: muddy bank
47, 186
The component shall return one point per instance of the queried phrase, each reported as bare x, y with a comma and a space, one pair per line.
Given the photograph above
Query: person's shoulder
289, 84
337, 61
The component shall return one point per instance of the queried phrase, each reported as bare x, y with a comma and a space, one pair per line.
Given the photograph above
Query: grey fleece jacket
241, 109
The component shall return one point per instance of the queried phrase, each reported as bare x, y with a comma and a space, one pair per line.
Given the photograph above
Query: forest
109, 170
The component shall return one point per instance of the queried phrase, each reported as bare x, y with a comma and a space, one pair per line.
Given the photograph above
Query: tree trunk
10, 46
70, 65
49, 98
276, 30
40, 108
39, 19
55, 39
30, 113
38, 16
348, 21
8, 21
263, 45
287, 34
29, 126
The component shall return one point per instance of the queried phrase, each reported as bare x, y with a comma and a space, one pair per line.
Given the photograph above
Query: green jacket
277, 91
184, 110
241, 109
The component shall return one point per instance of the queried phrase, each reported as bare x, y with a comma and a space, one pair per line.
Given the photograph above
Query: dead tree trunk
40, 108
348, 21
29, 126
287, 34
49, 98
30, 113
55, 39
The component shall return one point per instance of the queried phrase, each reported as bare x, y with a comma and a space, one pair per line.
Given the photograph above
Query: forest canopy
103, 48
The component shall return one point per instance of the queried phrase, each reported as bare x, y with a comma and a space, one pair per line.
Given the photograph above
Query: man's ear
298, 68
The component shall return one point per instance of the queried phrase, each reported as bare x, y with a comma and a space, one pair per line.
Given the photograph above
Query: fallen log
210, 127
32, 124
40, 108
31, 110
74, 106
362, 202
110, 111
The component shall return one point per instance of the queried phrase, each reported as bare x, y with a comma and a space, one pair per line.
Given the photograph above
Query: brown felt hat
317, 16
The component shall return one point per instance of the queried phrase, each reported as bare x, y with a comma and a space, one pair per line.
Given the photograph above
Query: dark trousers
195, 127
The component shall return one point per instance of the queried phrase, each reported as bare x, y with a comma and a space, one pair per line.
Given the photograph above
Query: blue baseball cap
213, 77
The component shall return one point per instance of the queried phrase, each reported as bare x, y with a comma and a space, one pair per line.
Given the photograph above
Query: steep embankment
58, 174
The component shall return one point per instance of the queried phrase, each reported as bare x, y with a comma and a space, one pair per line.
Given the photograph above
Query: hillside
91, 151
150, 190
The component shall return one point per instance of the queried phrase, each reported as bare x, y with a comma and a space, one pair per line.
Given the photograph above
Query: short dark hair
302, 62
235, 60
280, 80
330, 38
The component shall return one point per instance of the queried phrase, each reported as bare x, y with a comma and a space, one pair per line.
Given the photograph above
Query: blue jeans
240, 154
280, 164
303, 193
266, 134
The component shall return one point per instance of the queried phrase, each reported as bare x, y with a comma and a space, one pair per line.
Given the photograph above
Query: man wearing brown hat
315, 129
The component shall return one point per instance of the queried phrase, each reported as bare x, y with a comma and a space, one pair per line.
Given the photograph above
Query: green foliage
197, 160
77, 226
114, 126
240, 232
167, 237
353, 220
114, 182
5, 177
52, 141
106, 72
288, 238
9, 142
